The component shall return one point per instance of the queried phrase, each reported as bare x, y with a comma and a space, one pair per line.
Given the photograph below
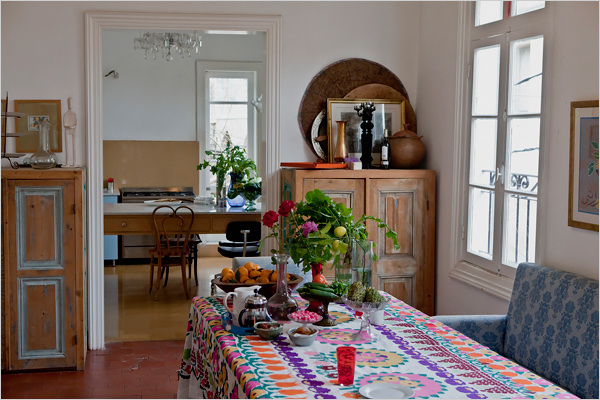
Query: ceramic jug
239, 301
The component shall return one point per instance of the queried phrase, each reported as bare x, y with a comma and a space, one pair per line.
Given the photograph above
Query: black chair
243, 239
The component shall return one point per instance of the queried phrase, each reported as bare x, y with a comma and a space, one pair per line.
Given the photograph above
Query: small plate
172, 202
383, 390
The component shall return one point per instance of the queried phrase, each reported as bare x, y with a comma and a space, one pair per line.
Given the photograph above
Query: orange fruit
265, 273
240, 273
273, 277
226, 270
250, 266
227, 277
254, 273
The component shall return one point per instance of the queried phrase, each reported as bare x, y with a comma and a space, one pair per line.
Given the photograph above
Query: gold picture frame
388, 114
583, 165
35, 110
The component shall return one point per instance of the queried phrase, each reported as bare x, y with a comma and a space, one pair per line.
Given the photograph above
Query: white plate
383, 390
173, 202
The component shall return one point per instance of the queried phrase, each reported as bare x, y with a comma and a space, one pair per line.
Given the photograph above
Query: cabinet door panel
407, 272
43, 318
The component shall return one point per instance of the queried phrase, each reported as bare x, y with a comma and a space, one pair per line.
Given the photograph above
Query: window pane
487, 11
522, 7
481, 222
228, 121
519, 234
483, 151
525, 89
228, 89
523, 154
486, 68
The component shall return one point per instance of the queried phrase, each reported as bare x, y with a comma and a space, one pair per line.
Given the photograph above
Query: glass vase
361, 253
281, 304
239, 200
43, 158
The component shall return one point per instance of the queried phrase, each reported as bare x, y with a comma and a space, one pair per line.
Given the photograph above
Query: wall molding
95, 22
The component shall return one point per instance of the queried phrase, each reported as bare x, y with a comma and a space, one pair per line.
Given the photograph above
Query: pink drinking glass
346, 359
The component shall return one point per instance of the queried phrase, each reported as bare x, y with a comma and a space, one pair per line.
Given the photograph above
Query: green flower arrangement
319, 229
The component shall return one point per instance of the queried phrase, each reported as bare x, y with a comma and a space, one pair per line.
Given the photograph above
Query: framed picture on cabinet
583, 165
35, 111
388, 114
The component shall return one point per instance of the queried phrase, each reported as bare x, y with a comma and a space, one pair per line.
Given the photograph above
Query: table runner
413, 350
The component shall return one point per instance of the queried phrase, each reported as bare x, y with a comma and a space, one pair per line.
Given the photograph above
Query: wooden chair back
172, 231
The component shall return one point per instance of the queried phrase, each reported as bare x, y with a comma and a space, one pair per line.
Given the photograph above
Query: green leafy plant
232, 159
319, 229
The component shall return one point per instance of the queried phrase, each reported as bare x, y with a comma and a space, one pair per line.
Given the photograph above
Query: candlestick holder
365, 111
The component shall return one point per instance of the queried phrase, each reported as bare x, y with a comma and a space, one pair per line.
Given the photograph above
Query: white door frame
95, 22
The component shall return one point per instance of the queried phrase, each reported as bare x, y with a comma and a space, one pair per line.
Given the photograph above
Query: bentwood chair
171, 238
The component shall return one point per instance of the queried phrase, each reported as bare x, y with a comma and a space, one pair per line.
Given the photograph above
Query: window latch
499, 175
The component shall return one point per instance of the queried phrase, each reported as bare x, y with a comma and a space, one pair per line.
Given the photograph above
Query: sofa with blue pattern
551, 327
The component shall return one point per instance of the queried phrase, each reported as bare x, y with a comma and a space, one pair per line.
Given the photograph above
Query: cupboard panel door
42, 274
406, 273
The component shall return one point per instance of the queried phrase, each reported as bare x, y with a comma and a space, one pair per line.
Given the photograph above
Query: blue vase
238, 201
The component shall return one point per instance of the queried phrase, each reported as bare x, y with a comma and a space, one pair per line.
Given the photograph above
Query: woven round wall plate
336, 81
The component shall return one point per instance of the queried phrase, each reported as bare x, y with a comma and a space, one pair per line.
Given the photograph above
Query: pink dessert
305, 316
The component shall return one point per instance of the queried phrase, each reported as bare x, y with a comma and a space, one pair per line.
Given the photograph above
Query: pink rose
286, 207
270, 218
309, 227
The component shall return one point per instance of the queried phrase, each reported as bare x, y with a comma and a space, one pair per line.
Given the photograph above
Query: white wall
573, 76
156, 99
43, 48
42, 58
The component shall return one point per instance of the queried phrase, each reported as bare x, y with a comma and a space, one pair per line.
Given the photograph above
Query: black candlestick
365, 111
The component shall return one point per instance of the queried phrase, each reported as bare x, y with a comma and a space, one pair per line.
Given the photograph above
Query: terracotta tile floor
132, 370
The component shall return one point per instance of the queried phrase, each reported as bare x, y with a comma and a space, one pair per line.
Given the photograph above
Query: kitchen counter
136, 218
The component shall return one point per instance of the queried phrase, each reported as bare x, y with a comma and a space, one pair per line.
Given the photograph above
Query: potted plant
232, 159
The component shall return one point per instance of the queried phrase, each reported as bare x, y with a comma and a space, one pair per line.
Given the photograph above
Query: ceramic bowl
274, 330
266, 289
302, 340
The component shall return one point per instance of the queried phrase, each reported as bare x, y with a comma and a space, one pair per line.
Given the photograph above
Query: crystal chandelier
167, 42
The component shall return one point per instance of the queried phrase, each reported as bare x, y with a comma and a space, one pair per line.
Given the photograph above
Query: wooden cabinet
43, 267
405, 200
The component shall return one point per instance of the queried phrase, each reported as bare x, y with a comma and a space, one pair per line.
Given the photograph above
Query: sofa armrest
486, 329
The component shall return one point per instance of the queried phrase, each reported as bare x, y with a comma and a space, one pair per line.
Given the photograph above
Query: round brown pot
406, 150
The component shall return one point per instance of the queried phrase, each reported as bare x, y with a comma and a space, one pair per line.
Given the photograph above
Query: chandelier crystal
165, 43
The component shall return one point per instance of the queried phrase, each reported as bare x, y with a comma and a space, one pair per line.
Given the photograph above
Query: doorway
95, 22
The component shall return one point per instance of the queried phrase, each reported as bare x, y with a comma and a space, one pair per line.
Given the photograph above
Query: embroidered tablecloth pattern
412, 350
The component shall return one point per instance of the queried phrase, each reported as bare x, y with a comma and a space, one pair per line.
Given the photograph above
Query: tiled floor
144, 341
133, 370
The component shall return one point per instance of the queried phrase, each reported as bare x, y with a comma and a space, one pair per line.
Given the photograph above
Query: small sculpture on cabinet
70, 123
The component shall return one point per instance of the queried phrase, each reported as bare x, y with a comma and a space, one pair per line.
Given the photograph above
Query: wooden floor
130, 314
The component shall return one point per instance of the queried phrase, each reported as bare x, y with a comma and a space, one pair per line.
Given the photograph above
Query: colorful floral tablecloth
412, 350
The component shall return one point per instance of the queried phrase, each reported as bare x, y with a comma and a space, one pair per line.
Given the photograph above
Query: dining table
412, 349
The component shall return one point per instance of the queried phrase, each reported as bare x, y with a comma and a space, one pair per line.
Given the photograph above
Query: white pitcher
239, 301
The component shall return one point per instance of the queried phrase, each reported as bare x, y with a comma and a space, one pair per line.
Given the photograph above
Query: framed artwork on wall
388, 114
35, 111
583, 165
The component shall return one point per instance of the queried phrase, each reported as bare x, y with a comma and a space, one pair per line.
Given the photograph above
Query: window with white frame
227, 110
505, 123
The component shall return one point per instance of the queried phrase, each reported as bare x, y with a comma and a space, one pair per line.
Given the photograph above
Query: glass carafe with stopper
43, 157
281, 304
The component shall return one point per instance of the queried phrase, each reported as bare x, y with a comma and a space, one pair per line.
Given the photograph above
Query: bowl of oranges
251, 274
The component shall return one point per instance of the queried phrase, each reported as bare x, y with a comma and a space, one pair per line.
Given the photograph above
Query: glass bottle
281, 304
385, 151
43, 158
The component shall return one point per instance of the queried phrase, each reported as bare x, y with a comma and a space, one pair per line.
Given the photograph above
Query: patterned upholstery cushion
485, 329
552, 327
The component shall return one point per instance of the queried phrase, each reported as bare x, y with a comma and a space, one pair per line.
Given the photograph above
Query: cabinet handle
123, 224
